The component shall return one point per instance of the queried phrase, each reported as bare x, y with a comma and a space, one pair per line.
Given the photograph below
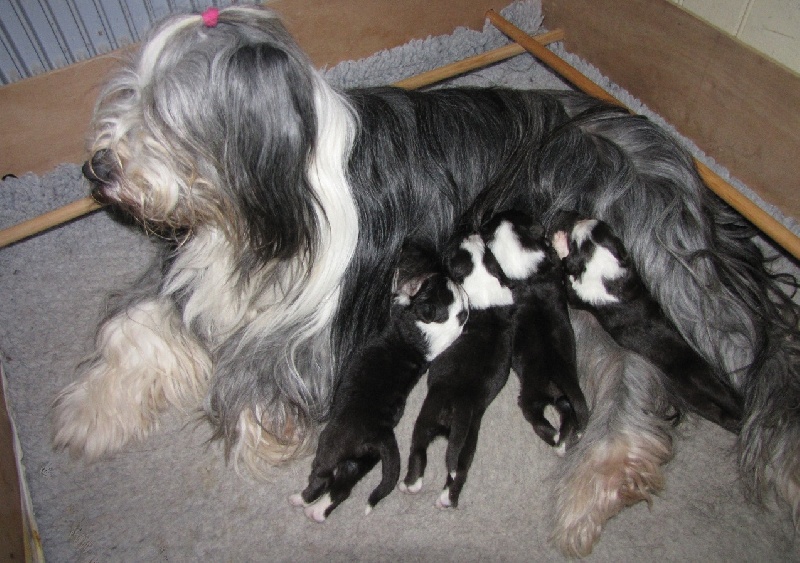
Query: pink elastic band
210, 17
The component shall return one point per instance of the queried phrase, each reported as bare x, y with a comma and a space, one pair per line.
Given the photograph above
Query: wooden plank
11, 535
736, 105
45, 118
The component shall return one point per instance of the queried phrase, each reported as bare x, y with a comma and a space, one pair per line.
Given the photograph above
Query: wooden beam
735, 104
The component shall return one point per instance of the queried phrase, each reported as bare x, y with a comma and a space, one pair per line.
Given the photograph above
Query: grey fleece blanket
172, 498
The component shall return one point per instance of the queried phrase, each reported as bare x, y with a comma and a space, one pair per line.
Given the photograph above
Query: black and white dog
499, 269
427, 314
288, 202
602, 280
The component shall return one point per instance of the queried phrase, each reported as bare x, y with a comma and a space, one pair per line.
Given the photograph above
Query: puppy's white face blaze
516, 261
441, 335
601, 267
483, 288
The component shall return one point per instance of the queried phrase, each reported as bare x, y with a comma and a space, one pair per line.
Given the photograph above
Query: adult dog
288, 202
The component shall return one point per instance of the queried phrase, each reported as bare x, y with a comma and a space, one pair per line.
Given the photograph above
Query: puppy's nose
100, 168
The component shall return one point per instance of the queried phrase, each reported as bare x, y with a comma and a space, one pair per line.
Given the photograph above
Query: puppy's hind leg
427, 427
460, 452
145, 361
390, 471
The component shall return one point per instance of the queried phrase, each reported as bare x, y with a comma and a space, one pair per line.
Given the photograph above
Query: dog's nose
100, 168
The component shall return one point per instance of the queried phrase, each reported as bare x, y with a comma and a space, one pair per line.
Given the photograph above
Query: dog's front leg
145, 360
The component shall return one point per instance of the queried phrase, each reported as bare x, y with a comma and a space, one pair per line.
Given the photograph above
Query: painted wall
770, 26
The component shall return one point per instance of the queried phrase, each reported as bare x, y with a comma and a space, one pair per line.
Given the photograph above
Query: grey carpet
172, 498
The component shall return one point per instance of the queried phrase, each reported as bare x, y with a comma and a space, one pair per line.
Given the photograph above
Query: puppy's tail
389, 453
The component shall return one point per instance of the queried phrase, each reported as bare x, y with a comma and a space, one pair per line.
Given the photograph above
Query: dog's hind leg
617, 462
144, 362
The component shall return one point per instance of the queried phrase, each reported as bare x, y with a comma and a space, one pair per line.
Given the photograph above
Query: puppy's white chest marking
484, 290
590, 285
516, 261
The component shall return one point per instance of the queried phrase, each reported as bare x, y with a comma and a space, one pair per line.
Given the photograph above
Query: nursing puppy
503, 270
602, 280
427, 315
543, 357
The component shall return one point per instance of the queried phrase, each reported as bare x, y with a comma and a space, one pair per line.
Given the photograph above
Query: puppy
502, 266
543, 357
427, 314
602, 280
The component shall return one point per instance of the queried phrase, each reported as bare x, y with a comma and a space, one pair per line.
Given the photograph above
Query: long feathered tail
699, 259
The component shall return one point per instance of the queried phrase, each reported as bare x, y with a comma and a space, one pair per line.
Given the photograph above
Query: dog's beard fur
289, 202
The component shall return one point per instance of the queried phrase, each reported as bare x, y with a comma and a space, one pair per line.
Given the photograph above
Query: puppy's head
437, 304
594, 259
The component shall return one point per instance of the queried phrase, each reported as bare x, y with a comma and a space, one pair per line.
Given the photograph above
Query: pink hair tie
211, 17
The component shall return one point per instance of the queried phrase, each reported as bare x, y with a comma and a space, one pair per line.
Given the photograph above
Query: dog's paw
90, 427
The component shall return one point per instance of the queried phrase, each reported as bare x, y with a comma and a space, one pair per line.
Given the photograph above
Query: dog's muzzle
100, 171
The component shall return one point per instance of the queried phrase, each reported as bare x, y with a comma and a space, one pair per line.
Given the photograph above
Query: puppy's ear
459, 264
574, 263
603, 235
407, 288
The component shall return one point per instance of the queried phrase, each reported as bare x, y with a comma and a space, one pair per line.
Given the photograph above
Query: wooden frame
735, 104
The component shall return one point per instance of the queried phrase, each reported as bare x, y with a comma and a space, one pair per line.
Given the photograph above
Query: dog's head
221, 124
595, 261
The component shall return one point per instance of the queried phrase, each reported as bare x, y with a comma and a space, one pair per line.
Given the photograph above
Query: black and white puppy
427, 314
602, 280
543, 357
501, 268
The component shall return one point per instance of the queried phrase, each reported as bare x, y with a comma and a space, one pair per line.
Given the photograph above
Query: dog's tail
698, 258
389, 453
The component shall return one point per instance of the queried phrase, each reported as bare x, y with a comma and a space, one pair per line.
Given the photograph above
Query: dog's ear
575, 262
265, 109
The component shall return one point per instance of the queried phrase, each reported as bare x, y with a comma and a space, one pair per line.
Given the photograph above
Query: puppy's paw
412, 488
443, 500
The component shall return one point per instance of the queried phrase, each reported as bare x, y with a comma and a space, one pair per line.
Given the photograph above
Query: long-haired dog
288, 202
427, 314
602, 280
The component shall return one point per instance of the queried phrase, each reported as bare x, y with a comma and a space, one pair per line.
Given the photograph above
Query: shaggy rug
172, 497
